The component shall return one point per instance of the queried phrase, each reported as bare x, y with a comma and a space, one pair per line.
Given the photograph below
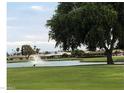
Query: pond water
50, 63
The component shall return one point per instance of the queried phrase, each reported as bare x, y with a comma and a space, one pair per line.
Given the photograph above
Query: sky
26, 24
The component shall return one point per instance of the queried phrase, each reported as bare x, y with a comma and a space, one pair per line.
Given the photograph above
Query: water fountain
38, 62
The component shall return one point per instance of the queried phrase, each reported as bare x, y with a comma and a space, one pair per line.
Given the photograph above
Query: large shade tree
93, 24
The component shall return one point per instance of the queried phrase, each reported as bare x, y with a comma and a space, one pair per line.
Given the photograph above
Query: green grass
95, 77
103, 59
96, 59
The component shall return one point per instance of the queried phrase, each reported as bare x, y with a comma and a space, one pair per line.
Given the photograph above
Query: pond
50, 63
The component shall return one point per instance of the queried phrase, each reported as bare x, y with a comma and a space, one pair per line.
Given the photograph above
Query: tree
37, 50
34, 47
97, 25
17, 50
27, 50
8, 54
62, 26
103, 33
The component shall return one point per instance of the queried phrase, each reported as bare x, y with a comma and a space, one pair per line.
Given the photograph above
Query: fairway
94, 77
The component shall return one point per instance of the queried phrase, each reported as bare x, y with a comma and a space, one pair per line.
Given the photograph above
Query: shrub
11, 59
77, 53
20, 58
46, 52
65, 55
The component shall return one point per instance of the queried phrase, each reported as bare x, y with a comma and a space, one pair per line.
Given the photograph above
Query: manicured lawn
96, 59
103, 59
74, 77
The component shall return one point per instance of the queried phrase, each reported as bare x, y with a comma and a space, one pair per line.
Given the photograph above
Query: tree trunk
109, 57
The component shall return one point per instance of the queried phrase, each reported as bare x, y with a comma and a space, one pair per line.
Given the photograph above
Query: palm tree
17, 50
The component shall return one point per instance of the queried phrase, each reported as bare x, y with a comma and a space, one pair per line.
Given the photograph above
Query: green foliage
11, 59
8, 54
46, 52
61, 30
37, 50
77, 53
65, 55
17, 49
97, 25
21, 58
27, 50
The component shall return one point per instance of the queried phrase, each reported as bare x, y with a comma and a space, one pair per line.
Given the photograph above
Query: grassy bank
75, 77
96, 59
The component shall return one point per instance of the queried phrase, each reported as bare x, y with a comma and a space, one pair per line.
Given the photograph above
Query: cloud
36, 37
33, 37
38, 8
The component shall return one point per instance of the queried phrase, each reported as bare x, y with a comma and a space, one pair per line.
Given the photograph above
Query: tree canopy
97, 25
27, 50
